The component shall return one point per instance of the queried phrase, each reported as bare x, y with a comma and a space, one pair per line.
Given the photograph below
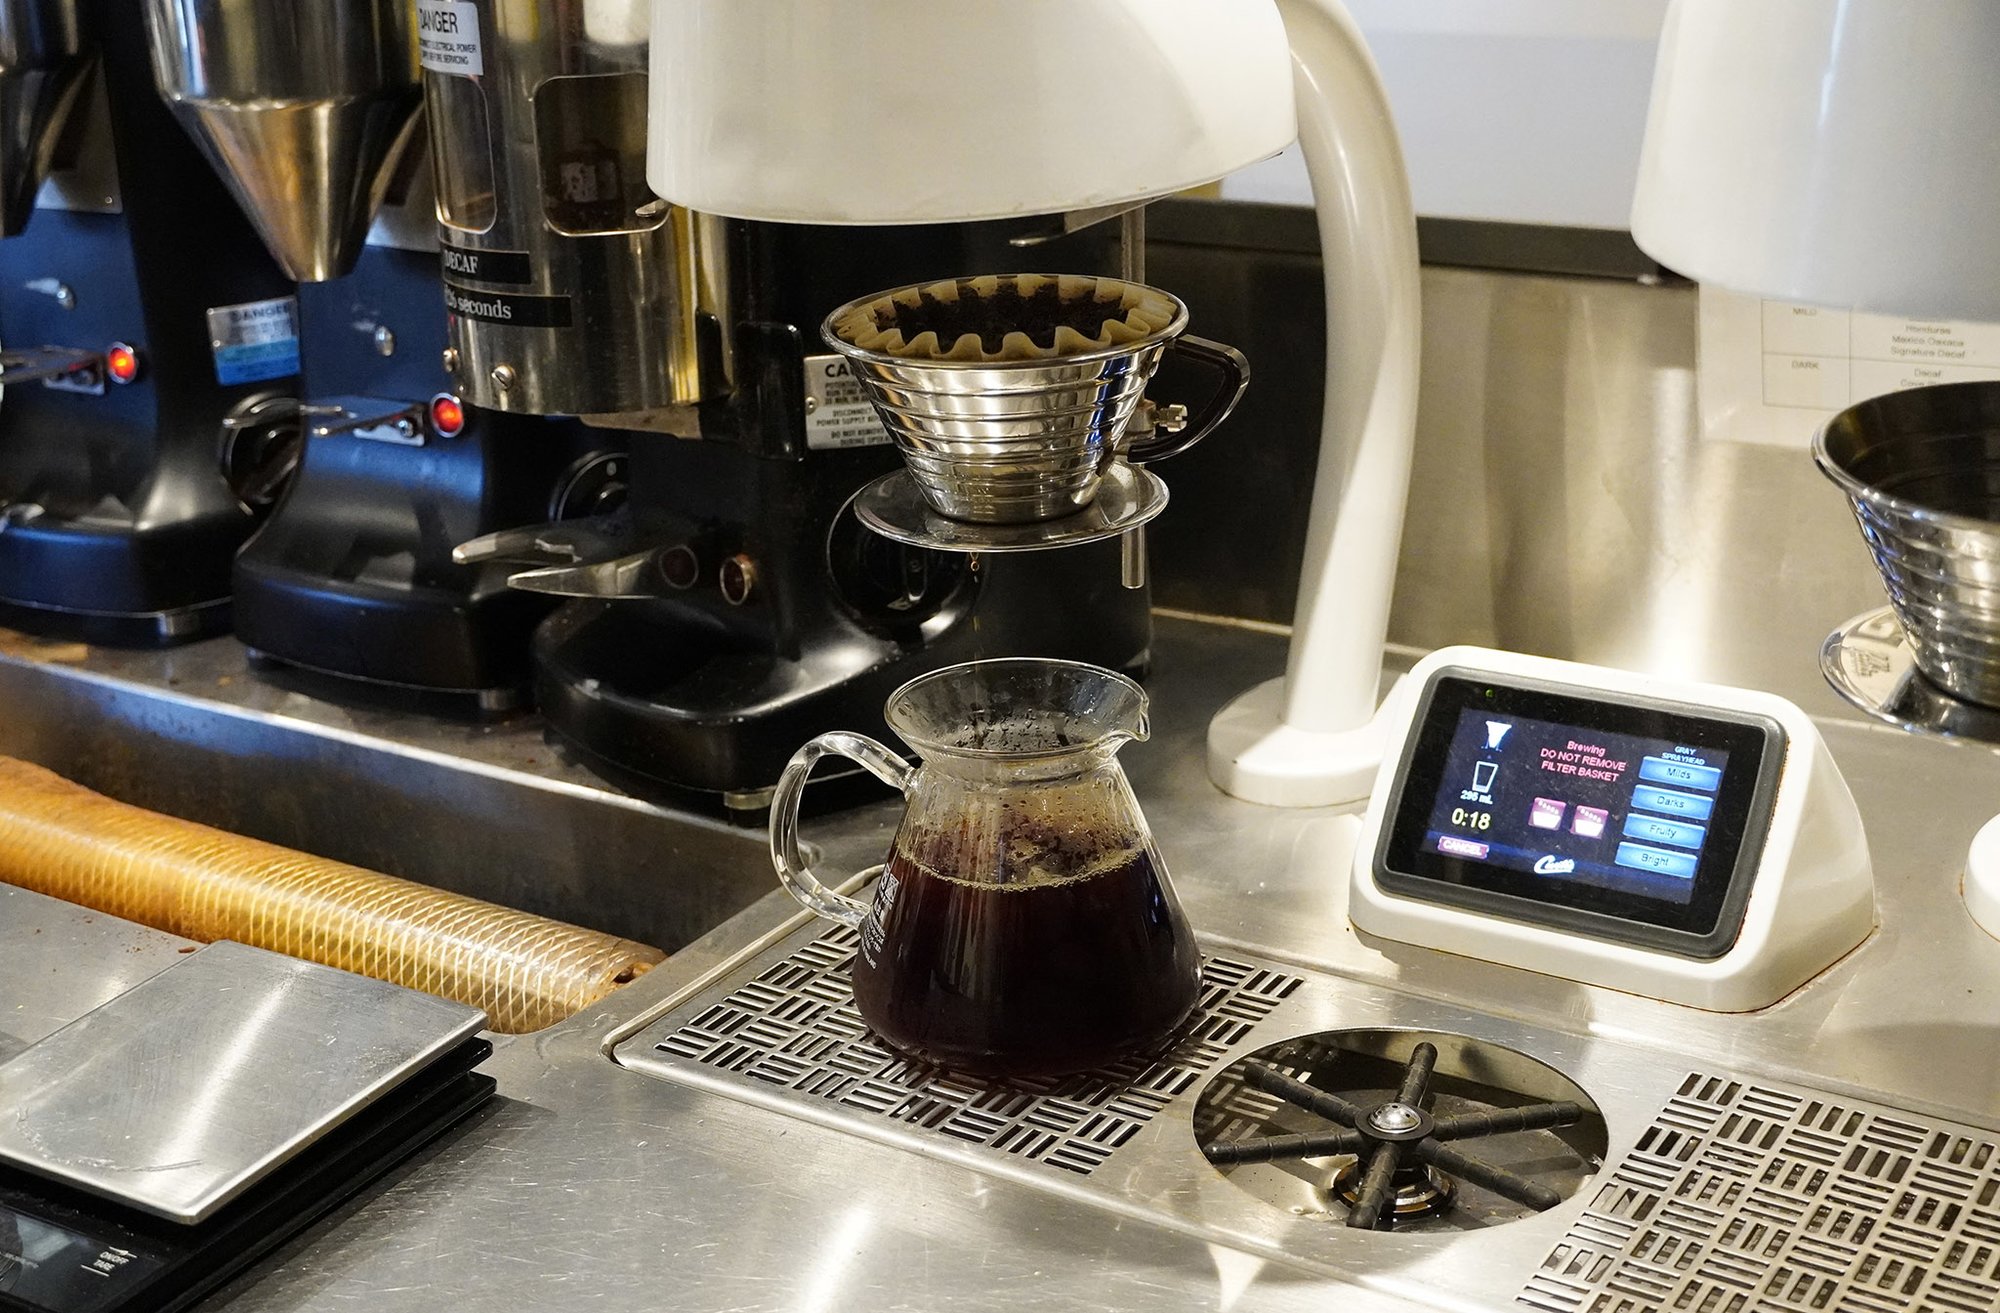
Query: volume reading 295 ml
1536, 798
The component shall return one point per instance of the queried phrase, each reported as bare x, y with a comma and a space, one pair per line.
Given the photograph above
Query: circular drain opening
1476, 1097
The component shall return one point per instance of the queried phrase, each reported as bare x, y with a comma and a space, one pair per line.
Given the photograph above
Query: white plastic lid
914, 111
1844, 152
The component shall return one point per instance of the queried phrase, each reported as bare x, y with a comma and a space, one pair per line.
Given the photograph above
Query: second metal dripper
1921, 469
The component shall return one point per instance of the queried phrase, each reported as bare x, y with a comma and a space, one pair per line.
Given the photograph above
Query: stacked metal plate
180, 1094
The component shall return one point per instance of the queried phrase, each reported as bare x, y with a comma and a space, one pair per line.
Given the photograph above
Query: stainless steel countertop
590, 1186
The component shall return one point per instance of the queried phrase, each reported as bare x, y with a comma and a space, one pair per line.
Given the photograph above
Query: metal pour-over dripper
1007, 412
42, 69
301, 107
1921, 470
1012, 397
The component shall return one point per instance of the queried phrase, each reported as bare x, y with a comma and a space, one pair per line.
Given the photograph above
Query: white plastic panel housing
1811, 901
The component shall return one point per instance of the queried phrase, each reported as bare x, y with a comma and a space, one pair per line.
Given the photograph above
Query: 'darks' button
1657, 861
1666, 770
1688, 806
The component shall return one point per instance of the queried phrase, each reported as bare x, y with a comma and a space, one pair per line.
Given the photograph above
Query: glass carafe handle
793, 872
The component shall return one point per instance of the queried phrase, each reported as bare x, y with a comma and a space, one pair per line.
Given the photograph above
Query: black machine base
652, 699
494, 703
464, 640
139, 630
62, 1251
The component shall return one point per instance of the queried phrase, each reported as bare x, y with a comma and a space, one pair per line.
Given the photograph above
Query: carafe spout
1019, 710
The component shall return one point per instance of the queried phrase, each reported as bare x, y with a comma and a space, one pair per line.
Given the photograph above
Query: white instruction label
1773, 372
255, 341
838, 413
448, 37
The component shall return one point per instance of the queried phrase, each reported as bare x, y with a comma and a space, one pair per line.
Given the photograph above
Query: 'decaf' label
838, 413
485, 266
255, 341
448, 37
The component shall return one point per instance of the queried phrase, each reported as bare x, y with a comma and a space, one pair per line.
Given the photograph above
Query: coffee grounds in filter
1003, 317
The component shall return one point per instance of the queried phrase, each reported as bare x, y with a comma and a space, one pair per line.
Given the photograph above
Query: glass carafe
1024, 923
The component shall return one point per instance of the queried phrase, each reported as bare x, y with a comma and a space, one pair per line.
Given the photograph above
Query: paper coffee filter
1029, 316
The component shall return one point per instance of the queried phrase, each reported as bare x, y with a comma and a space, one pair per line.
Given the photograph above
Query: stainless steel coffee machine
142, 320
733, 607
312, 114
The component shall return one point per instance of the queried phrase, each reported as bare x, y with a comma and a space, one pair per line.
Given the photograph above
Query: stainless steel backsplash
1564, 500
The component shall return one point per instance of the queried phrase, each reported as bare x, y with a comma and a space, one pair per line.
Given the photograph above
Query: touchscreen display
1630, 819
1573, 804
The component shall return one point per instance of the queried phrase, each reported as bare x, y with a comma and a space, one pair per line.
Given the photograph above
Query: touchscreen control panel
1542, 802
1611, 827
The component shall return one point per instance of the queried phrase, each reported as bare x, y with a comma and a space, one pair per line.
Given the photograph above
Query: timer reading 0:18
1471, 820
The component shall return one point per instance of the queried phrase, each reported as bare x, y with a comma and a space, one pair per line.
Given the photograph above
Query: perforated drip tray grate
1718, 1193
1741, 1198
794, 1027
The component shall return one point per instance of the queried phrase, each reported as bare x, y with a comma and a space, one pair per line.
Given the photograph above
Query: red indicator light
121, 362
447, 415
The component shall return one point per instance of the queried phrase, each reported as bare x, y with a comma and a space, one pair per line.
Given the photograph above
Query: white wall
1525, 111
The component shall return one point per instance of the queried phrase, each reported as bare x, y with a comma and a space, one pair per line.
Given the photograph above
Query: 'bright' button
1658, 861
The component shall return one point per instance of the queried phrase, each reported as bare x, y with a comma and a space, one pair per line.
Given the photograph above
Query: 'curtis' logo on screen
1550, 864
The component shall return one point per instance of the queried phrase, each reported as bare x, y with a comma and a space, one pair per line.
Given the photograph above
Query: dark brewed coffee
1038, 974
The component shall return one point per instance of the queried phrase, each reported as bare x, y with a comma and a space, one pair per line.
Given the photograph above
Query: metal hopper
302, 108
42, 69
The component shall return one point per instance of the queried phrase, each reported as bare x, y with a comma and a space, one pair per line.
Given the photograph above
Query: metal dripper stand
1033, 454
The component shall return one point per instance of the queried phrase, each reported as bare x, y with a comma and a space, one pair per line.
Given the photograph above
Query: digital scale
1688, 842
160, 1144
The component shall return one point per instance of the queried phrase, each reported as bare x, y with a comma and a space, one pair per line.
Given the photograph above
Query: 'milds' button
1658, 861
1665, 770
1659, 829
